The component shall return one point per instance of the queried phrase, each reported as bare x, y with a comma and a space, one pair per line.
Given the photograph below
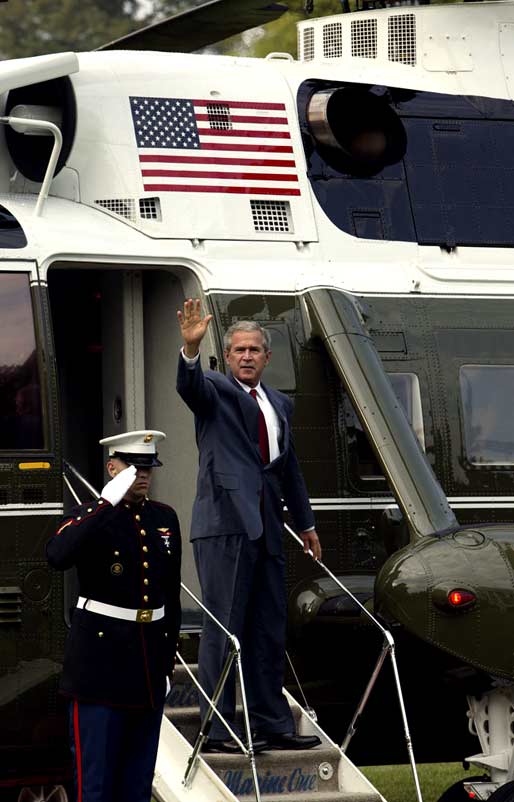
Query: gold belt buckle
144, 616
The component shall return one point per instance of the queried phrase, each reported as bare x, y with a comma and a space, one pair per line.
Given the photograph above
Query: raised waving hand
192, 326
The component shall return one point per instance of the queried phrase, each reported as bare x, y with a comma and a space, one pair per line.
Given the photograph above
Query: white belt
125, 613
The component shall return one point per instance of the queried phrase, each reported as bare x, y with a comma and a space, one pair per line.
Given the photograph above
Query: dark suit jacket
107, 660
232, 477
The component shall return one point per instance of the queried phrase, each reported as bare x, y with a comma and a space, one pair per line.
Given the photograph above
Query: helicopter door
123, 380
117, 343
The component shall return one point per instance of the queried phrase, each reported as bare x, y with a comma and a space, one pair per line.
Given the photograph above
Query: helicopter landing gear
44, 793
457, 792
503, 794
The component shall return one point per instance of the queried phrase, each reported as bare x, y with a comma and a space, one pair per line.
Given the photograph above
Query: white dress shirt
270, 416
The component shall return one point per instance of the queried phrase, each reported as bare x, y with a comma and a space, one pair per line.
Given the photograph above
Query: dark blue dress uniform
127, 556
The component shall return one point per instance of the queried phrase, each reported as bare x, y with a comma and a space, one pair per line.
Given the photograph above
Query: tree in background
281, 34
36, 27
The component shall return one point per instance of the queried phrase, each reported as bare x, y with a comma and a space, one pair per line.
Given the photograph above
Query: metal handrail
388, 648
234, 655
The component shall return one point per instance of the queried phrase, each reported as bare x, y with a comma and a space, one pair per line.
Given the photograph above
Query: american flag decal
235, 147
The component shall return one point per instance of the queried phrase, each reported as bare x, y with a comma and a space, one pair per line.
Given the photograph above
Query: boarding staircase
322, 774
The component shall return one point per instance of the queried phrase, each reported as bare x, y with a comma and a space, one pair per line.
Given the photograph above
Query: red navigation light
461, 598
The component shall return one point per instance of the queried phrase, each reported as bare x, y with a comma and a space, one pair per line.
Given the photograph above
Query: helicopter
360, 193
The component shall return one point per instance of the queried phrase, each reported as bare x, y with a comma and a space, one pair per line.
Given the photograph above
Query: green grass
396, 783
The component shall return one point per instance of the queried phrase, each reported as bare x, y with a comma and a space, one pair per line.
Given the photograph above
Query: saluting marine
122, 644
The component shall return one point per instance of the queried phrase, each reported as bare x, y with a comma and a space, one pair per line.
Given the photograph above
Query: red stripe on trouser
78, 753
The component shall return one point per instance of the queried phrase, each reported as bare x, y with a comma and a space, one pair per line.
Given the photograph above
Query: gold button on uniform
137, 517
145, 548
145, 565
145, 598
143, 532
100, 634
146, 581
90, 509
116, 554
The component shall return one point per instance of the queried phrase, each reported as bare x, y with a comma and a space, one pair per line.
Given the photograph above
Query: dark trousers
114, 752
244, 587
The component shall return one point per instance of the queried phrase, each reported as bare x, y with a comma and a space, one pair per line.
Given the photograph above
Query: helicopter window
364, 464
280, 373
21, 420
486, 393
11, 233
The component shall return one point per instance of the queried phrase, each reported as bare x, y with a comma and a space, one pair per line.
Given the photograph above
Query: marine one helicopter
358, 202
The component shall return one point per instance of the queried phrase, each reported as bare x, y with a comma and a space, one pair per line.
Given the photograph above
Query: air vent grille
33, 494
364, 38
150, 209
219, 116
401, 38
308, 44
10, 606
272, 216
333, 40
124, 207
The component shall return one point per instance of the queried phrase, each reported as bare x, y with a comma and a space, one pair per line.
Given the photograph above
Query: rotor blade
205, 25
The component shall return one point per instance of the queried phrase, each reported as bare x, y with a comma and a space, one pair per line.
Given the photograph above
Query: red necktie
263, 431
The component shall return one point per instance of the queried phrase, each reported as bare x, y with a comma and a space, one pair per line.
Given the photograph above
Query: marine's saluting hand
115, 490
192, 326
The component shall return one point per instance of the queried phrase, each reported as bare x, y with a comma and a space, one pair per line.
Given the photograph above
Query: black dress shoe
289, 740
230, 747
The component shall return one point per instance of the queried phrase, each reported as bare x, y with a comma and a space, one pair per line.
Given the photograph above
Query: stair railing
388, 649
233, 656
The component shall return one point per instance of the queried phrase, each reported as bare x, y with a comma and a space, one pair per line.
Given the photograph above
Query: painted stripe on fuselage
17, 510
368, 503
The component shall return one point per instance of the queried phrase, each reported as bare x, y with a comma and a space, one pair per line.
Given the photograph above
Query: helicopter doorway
117, 343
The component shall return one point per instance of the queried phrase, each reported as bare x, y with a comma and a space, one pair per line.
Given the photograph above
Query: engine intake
355, 130
31, 156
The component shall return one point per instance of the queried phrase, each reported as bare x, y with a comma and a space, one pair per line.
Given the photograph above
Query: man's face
139, 489
247, 356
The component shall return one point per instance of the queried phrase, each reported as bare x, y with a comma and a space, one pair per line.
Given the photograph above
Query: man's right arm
198, 393
86, 521
74, 530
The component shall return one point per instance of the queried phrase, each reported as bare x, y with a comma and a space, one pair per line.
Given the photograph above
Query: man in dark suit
247, 466
124, 630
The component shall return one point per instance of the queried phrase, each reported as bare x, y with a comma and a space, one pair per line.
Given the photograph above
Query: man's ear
111, 470
225, 354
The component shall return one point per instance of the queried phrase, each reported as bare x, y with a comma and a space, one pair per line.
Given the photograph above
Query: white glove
117, 487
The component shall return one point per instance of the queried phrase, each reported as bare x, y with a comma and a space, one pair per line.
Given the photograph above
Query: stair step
186, 718
280, 771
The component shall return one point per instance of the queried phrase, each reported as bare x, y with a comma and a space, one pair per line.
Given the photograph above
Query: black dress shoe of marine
230, 747
289, 740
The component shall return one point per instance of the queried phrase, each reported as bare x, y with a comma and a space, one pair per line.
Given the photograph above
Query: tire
505, 793
456, 792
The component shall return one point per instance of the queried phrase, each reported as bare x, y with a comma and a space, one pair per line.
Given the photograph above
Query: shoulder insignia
63, 527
